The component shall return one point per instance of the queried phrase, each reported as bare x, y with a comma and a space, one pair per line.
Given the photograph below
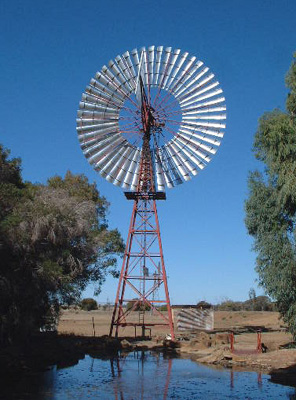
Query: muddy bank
46, 349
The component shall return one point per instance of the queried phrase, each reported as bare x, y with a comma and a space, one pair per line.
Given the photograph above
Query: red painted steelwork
259, 342
231, 337
143, 269
242, 351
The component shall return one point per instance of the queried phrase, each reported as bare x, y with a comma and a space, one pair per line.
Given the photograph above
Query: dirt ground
260, 319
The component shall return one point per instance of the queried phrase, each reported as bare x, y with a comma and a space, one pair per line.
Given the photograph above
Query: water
142, 375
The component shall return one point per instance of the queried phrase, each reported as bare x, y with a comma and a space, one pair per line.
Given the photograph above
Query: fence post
93, 326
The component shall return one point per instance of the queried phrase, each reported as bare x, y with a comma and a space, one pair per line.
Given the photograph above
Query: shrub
163, 308
140, 306
229, 305
89, 304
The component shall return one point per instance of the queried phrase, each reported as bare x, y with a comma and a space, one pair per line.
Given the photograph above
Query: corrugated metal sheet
190, 319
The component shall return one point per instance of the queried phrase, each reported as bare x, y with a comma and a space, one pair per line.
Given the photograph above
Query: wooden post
93, 326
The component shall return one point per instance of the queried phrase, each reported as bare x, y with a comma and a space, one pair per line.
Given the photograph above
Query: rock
158, 339
264, 348
222, 338
170, 344
202, 340
125, 344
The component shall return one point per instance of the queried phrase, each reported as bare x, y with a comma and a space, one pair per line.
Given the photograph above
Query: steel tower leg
142, 257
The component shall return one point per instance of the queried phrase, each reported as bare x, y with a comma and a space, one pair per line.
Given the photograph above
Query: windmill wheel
186, 104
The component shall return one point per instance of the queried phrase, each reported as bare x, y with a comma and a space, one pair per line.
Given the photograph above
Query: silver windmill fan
188, 111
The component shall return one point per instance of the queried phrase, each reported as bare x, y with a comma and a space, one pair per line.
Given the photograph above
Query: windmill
151, 119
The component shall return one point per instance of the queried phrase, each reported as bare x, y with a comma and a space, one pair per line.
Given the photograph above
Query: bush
229, 305
89, 304
140, 306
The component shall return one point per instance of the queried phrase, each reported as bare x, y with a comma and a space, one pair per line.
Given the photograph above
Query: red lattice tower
143, 253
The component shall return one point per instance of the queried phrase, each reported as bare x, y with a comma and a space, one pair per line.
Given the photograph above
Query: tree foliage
140, 306
271, 205
54, 240
89, 304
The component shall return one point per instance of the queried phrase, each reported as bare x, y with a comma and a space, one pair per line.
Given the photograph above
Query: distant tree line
54, 240
259, 303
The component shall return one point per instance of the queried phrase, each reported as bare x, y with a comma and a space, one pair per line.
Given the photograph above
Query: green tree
11, 183
89, 304
271, 205
54, 240
252, 297
141, 306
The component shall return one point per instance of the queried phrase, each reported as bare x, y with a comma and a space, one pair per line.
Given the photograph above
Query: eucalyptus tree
271, 204
54, 240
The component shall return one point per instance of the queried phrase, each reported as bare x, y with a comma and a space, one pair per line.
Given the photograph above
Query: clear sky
51, 49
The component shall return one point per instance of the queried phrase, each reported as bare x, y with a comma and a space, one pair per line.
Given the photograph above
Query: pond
143, 375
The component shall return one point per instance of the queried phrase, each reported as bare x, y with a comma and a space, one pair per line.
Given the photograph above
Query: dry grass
238, 319
80, 323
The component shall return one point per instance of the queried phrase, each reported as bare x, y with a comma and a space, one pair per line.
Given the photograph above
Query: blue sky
51, 49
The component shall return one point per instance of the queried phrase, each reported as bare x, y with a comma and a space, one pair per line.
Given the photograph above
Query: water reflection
259, 378
143, 376
118, 365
